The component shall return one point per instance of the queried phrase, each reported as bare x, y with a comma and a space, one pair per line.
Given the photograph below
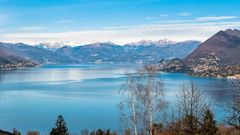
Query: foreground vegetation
146, 111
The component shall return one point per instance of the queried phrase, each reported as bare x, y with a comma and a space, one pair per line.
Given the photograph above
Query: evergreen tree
208, 125
157, 128
53, 132
127, 132
93, 133
15, 132
99, 132
108, 132
61, 127
191, 125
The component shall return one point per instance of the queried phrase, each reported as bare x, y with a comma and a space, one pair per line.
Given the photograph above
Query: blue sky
119, 21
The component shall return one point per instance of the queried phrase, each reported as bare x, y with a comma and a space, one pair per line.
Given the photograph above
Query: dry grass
224, 130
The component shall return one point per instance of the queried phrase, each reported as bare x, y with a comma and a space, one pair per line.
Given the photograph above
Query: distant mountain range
139, 52
144, 51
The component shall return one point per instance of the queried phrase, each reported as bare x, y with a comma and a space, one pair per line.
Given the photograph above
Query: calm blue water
86, 95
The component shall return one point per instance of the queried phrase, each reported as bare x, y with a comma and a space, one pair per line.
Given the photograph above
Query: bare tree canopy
143, 100
192, 105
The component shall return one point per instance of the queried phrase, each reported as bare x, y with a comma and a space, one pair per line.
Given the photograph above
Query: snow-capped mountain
101, 44
152, 42
54, 45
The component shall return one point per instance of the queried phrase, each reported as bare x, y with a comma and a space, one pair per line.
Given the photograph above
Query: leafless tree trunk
128, 105
143, 101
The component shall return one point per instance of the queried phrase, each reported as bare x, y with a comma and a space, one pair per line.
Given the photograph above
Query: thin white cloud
216, 18
156, 17
32, 28
163, 15
65, 21
151, 17
176, 21
185, 14
125, 34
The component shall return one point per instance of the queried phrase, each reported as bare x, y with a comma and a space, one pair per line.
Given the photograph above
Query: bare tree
233, 106
143, 100
192, 105
174, 121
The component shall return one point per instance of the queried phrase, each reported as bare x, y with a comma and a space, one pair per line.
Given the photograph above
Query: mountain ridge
110, 52
103, 52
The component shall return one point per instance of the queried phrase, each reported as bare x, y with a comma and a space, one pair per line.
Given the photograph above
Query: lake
86, 95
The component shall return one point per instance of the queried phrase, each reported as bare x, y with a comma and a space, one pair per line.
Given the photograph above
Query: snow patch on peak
165, 42
54, 45
145, 42
100, 44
